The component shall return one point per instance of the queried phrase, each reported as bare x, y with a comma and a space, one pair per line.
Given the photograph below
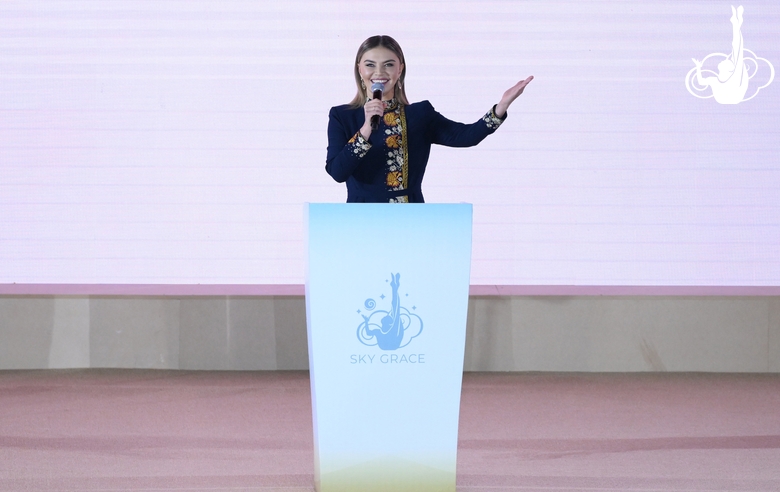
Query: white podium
386, 304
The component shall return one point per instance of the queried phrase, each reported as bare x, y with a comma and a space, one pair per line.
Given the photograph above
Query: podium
386, 305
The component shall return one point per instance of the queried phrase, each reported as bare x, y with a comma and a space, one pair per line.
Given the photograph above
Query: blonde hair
369, 44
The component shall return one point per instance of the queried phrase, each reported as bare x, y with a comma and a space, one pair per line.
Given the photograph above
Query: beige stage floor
148, 430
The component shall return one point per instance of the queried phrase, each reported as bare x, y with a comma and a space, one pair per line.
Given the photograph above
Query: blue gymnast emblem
391, 329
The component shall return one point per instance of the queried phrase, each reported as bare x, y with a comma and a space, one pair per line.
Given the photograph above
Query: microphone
377, 88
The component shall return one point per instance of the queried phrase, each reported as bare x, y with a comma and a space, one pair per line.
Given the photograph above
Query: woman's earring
363, 85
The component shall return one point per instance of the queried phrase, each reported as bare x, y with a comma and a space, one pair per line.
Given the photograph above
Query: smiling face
380, 65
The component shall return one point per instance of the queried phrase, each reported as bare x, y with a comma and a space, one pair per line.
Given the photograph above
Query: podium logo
730, 84
390, 329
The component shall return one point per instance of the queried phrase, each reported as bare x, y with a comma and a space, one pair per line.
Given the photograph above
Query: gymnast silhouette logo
729, 85
391, 329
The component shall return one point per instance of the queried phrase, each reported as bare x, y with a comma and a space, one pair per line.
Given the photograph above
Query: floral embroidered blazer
389, 166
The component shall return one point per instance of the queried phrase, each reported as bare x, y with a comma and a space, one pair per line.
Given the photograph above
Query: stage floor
139, 430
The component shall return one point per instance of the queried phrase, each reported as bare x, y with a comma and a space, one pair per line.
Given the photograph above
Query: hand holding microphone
377, 88
374, 109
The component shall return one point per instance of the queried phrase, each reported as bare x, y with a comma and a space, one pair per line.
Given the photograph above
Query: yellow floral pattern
395, 149
392, 141
394, 179
359, 145
492, 120
392, 119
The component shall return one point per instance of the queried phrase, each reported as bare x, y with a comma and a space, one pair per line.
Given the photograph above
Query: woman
388, 164
731, 84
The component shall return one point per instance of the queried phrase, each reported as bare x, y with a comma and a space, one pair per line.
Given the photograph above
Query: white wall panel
175, 142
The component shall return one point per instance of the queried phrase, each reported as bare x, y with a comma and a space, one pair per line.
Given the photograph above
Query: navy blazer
365, 176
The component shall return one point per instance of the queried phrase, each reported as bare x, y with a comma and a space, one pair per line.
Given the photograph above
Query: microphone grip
375, 118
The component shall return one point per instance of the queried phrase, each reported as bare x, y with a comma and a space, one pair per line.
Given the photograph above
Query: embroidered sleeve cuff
492, 120
358, 146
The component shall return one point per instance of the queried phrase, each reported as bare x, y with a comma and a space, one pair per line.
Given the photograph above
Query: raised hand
510, 95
